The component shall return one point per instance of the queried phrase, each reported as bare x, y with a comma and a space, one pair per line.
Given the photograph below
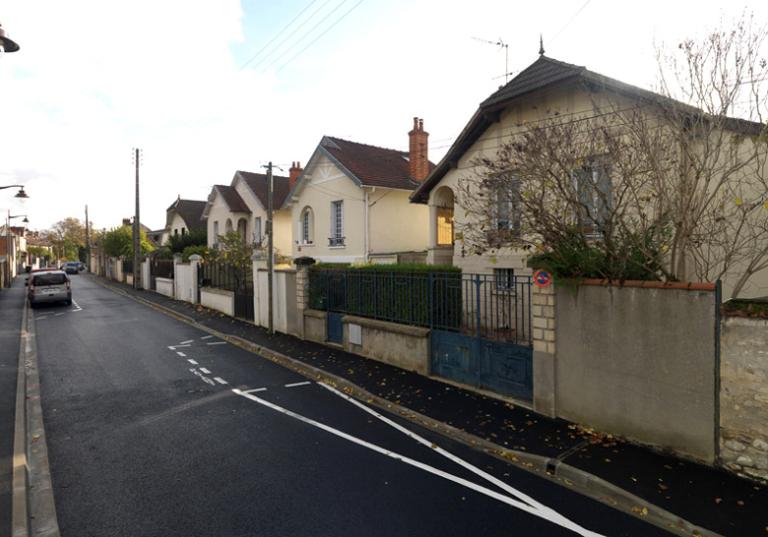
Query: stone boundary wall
744, 396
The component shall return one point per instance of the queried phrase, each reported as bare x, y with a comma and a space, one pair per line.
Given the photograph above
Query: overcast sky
95, 78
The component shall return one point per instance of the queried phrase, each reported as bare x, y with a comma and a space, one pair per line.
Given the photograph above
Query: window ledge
337, 247
306, 245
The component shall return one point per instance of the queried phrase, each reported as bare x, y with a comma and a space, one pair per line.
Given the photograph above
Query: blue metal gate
335, 328
502, 367
492, 348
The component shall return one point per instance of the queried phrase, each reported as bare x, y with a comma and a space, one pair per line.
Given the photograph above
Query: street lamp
20, 194
6, 43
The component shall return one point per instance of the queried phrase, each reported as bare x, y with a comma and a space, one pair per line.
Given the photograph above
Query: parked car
49, 286
71, 267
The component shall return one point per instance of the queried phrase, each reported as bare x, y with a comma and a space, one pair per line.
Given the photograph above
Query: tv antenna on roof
505, 46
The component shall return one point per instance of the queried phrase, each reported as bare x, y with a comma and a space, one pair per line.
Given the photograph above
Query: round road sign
542, 278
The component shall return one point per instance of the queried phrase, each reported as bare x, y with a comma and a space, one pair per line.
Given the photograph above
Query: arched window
444, 214
307, 226
228, 226
242, 229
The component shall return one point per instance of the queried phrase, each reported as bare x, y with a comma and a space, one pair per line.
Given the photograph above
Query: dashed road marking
58, 314
181, 354
295, 384
202, 377
220, 380
174, 347
186, 342
254, 390
77, 306
41, 318
204, 370
191, 361
206, 337
217, 343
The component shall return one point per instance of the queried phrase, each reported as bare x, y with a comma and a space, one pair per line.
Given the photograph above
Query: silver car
49, 286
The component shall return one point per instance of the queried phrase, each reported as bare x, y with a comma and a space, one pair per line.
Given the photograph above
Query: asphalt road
156, 429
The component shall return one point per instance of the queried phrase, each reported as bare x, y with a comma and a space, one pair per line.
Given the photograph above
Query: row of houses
360, 203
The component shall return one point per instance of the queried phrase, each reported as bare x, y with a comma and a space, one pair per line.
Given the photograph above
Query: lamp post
20, 194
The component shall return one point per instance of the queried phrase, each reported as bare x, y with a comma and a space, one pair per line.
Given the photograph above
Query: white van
49, 286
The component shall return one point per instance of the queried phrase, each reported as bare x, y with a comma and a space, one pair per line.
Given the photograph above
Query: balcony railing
336, 241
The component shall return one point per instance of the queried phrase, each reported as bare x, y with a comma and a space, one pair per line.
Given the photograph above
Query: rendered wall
186, 282
164, 286
396, 344
640, 363
218, 299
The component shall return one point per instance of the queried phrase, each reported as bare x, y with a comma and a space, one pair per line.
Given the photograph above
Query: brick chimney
293, 173
417, 151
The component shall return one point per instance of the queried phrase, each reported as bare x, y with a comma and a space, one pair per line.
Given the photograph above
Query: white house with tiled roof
242, 206
351, 203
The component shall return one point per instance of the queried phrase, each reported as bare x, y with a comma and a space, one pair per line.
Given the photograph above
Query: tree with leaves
118, 242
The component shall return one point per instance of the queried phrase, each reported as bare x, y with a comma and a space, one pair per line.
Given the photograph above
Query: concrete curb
33, 508
552, 469
19, 507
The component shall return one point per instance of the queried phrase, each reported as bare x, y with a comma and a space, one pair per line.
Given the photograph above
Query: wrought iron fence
128, 266
226, 276
161, 268
478, 304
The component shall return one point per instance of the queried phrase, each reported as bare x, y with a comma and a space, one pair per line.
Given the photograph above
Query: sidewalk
705, 497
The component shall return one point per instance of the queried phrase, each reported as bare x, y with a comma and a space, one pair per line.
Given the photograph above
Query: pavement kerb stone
552, 469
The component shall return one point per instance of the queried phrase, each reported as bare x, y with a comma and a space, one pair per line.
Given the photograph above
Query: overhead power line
567, 24
322, 34
278, 34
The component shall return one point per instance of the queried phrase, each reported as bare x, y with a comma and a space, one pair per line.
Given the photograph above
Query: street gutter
33, 507
549, 468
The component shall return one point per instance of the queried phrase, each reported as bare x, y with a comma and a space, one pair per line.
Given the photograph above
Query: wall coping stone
745, 321
689, 286
397, 328
317, 314
166, 280
217, 291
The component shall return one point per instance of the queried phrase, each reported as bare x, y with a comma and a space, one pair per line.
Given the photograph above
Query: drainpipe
366, 226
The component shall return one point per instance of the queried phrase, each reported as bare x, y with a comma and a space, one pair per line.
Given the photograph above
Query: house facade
242, 205
351, 203
182, 217
546, 90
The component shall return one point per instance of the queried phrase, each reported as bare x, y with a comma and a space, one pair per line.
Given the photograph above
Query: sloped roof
191, 211
232, 199
257, 182
372, 165
542, 73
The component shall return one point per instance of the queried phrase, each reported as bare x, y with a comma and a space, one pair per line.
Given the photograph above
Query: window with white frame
505, 279
306, 226
257, 230
592, 183
337, 223
507, 208
215, 232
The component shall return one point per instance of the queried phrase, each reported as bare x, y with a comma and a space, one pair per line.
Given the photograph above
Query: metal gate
230, 277
492, 348
244, 301
159, 268
335, 330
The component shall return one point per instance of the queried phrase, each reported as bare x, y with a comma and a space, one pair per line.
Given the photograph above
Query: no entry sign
542, 278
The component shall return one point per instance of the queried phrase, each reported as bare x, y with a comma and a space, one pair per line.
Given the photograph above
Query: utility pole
87, 242
136, 228
270, 243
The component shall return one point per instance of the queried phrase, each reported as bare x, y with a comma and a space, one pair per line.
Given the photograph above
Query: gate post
302, 290
543, 312
194, 262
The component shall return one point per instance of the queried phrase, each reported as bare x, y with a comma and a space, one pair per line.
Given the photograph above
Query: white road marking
450, 456
202, 377
186, 342
206, 337
217, 343
57, 314
204, 370
77, 306
545, 514
181, 354
191, 361
220, 380
174, 347
42, 318
295, 384
255, 390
